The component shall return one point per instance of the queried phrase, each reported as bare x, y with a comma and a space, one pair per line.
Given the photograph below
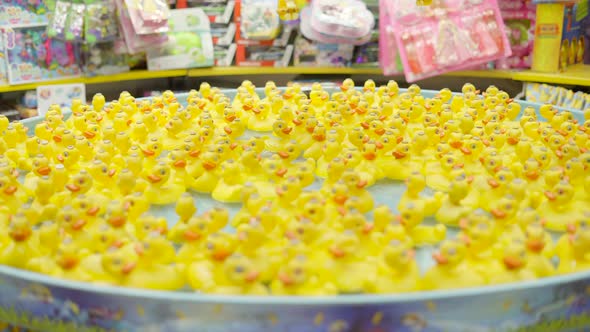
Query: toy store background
536, 49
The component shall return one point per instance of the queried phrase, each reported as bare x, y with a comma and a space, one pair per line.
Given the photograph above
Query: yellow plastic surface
573, 75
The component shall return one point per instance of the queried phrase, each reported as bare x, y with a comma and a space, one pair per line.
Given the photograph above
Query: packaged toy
25, 13
259, 19
447, 36
366, 55
224, 55
519, 17
308, 30
101, 59
309, 53
389, 58
101, 21
148, 16
263, 56
189, 42
559, 41
57, 26
558, 96
218, 11
75, 21
133, 43
32, 56
223, 34
3, 69
348, 18
282, 39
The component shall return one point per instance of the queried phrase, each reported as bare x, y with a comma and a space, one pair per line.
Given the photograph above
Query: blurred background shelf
574, 75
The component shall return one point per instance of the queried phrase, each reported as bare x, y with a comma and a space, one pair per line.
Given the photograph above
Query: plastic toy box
519, 18
224, 55
189, 42
309, 53
559, 42
263, 56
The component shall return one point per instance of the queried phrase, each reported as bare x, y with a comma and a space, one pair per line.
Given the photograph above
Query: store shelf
127, 76
574, 75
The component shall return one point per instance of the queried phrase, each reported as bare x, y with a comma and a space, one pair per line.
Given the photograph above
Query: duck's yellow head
241, 270
515, 256
450, 253
80, 183
19, 228
295, 272
85, 206
344, 244
561, 194
153, 148
119, 262
290, 189
197, 229
219, 246
290, 151
398, 254
505, 208
410, 214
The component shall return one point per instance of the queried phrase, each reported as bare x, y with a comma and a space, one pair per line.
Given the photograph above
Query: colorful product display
189, 44
31, 56
101, 59
118, 210
558, 96
314, 54
519, 17
559, 41
452, 35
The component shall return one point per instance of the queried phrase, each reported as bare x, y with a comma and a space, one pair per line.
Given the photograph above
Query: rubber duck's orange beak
485, 142
209, 165
281, 172
550, 195
380, 131
117, 221
361, 184
279, 190
466, 151
470, 179
148, 152
440, 258
368, 228
337, 252
340, 199
180, 163
512, 263
532, 174
190, 235
370, 155
310, 129
559, 153
68, 263
89, 134
283, 154
512, 140
252, 276
60, 158
287, 130
466, 239
493, 183
194, 153
535, 245
562, 132
297, 122
344, 88
256, 110
112, 173
128, 268
139, 249
458, 165
463, 223
456, 144
379, 145
44, 170
398, 154
10, 190
365, 125
57, 138
286, 279
227, 130
79, 224
571, 228
498, 214
93, 211
233, 146
72, 187
154, 178
221, 254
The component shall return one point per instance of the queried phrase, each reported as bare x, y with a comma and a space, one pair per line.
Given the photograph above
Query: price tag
60, 94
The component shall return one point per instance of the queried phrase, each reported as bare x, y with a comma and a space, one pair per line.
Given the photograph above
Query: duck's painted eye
163, 172
210, 246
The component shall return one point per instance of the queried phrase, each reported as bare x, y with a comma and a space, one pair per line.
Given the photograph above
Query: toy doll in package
148, 16
101, 59
18, 12
449, 35
322, 35
342, 18
189, 42
32, 56
259, 19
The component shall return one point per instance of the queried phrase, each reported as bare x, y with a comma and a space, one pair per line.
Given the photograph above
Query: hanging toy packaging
100, 21
259, 19
148, 16
389, 58
449, 35
519, 17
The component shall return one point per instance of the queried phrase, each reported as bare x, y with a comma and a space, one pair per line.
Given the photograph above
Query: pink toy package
388, 53
519, 18
449, 35
148, 16
306, 28
134, 43
342, 18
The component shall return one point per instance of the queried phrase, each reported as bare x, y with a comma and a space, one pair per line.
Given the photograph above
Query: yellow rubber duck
299, 277
206, 172
162, 190
356, 187
515, 266
452, 210
559, 208
412, 216
572, 250
12, 195
230, 184
416, 191
202, 271
263, 118
450, 268
23, 244
398, 271
535, 237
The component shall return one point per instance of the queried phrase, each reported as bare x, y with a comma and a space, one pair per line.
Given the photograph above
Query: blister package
449, 35
101, 21
342, 18
57, 24
259, 19
148, 16
134, 43
101, 59
307, 29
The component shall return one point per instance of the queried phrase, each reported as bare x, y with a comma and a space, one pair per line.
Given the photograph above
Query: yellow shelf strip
575, 75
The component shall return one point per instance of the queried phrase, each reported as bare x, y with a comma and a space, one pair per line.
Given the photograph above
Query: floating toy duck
398, 272
416, 192
162, 190
411, 216
515, 265
450, 267
298, 277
